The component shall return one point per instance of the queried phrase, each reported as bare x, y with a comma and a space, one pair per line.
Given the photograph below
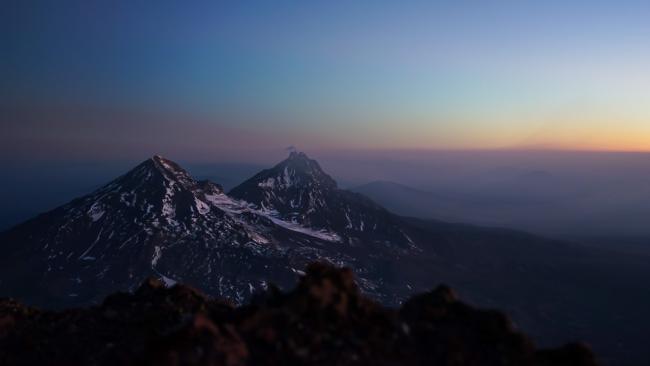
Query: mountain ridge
157, 220
172, 227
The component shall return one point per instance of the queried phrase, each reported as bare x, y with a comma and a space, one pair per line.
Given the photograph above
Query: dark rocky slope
158, 221
323, 321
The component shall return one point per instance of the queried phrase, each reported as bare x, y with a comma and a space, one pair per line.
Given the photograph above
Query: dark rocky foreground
323, 321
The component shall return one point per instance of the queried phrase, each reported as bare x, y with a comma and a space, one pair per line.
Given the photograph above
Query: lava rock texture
323, 321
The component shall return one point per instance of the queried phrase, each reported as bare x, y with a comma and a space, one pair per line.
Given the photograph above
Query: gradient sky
195, 79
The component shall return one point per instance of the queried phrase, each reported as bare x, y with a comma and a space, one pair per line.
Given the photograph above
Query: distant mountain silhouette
402, 199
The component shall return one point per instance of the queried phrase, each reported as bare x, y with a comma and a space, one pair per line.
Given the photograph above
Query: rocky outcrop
323, 321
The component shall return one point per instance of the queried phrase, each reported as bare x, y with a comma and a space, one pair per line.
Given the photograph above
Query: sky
221, 80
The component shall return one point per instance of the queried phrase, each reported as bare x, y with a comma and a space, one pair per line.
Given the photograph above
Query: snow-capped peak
157, 220
296, 173
172, 171
298, 190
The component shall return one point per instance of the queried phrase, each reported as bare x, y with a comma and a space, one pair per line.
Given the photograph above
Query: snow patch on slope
201, 206
96, 211
284, 181
156, 256
235, 207
168, 281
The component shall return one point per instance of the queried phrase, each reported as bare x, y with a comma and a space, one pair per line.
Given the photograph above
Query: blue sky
364, 74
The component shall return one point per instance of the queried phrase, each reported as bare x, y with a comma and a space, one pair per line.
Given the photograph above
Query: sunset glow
373, 75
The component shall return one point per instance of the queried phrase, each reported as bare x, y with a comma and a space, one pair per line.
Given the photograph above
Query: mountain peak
162, 162
299, 169
298, 155
292, 177
298, 190
171, 171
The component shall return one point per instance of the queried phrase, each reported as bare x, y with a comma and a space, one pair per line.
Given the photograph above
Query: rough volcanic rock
324, 321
